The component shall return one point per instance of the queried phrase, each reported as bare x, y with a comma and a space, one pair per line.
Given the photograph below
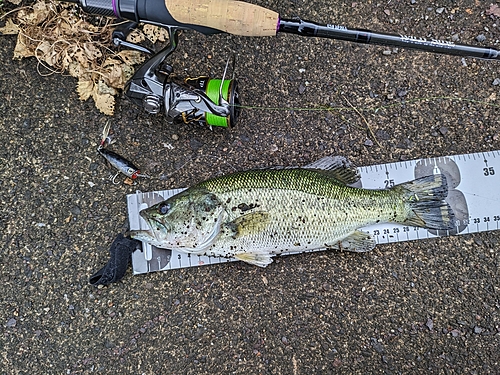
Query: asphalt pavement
424, 306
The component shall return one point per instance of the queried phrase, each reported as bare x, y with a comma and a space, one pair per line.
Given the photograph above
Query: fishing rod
215, 101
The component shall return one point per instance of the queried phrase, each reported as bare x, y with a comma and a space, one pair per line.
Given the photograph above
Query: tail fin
426, 197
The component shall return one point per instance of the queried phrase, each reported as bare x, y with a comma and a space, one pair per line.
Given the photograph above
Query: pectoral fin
248, 224
255, 258
358, 242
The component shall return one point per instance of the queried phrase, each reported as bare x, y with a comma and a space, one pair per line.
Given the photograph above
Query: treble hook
105, 138
113, 179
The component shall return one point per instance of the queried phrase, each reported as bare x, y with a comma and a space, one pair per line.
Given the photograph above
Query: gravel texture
409, 308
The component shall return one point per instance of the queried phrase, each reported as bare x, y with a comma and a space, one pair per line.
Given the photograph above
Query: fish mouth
162, 232
154, 224
157, 225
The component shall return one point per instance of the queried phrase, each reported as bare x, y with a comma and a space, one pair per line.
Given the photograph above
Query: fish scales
253, 215
306, 209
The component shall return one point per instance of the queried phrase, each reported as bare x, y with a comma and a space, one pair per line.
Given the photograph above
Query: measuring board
474, 195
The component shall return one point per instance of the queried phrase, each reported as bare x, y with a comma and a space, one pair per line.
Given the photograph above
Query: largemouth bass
255, 214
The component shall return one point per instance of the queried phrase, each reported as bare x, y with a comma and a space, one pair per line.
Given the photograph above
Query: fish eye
164, 208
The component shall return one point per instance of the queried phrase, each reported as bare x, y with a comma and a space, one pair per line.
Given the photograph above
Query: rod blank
308, 28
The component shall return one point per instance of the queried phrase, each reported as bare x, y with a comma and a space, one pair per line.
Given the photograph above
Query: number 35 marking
488, 171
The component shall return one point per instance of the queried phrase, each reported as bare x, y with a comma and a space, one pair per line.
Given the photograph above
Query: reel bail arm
119, 37
190, 101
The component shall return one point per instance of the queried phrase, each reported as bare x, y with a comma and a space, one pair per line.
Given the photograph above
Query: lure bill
472, 194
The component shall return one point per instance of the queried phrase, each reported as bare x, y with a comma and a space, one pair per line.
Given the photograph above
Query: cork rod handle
230, 16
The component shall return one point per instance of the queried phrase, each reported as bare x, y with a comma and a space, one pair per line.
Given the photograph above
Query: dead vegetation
64, 41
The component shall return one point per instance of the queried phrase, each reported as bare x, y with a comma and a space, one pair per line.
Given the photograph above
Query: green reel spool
212, 88
213, 91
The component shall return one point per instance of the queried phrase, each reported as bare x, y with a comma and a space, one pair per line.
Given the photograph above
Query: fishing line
366, 109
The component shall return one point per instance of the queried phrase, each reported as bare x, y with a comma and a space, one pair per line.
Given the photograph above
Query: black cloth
120, 255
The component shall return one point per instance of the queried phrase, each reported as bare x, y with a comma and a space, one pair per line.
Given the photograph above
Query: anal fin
358, 241
255, 258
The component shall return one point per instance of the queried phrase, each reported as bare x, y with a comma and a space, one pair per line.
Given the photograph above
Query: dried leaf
80, 56
128, 72
115, 76
155, 33
104, 102
91, 51
110, 61
62, 28
21, 50
104, 89
39, 13
131, 57
79, 25
493, 10
16, 2
136, 36
75, 69
44, 47
45, 52
62, 39
10, 28
65, 60
85, 89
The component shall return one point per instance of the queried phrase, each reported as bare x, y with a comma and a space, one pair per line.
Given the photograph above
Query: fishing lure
123, 165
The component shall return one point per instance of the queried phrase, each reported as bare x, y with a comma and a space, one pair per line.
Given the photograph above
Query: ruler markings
474, 181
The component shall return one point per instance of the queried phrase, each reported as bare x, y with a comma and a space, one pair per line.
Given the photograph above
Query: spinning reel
200, 100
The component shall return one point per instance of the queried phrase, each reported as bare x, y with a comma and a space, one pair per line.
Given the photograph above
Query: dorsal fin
337, 167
